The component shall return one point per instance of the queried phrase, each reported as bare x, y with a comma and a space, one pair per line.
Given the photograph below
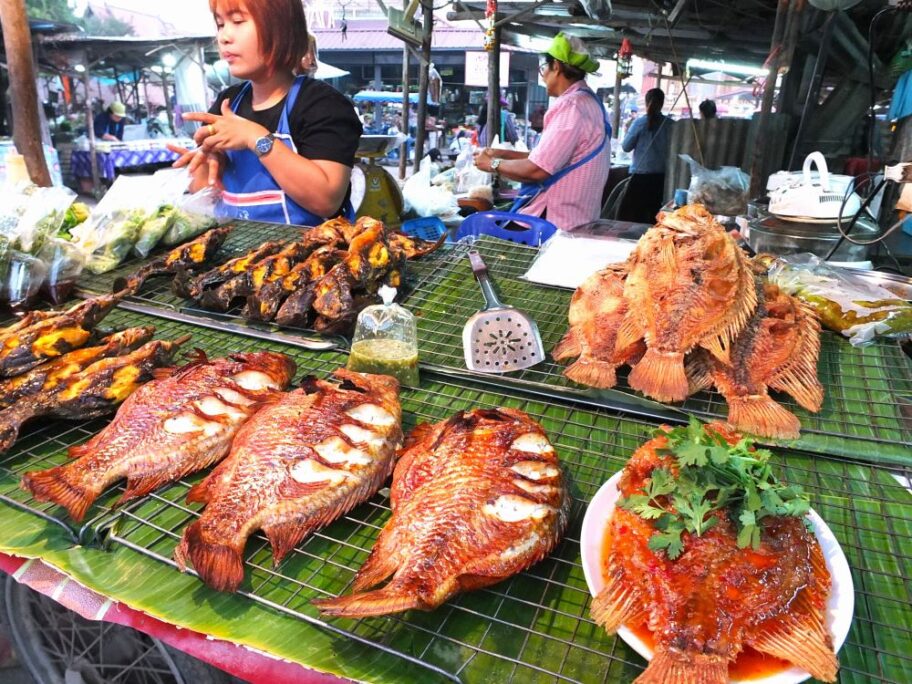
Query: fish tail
63, 485
219, 565
761, 416
661, 375
11, 422
390, 599
671, 666
569, 347
593, 373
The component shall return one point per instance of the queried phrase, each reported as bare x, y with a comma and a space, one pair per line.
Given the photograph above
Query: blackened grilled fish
265, 303
92, 392
51, 374
193, 287
475, 499
172, 427
294, 467
189, 257
49, 337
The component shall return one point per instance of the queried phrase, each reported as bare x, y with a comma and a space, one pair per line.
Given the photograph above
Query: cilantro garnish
713, 475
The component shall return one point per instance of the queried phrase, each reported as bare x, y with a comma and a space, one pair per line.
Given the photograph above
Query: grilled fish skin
191, 256
92, 392
193, 288
689, 285
265, 303
475, 499
703, 607
49, 375
294, 467
171, 427
597, 311
411, 247
49, 337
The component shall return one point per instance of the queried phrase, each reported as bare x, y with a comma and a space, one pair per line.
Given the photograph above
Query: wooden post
26, 123
616, 105
423, 67
90, 129
493, 123
404, 119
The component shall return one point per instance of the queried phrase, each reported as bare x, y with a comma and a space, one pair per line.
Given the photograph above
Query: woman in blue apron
281, 146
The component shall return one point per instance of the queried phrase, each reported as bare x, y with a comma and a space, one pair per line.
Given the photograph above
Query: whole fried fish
51, 374
716, 597
689, 285
191, 256
294, 467
46, 337
778, 348
170, 428
475, 499
597, 310
194, 287
92, 392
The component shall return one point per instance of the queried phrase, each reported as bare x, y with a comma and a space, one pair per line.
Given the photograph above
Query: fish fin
660, 375
380, 564
671, 666
593, 373
718, 346
761, 416
201, 492
11, 422
799, 378
629, 332
569, 346
218, 565
284, 536
162, 373
799, 636
140, 485
62, 485
615, 605
698, 375
384, 601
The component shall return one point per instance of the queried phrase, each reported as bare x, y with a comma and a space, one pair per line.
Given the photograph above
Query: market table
532, 627
109, 163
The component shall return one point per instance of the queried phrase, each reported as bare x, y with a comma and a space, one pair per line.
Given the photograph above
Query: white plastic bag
43, 217
425, 199
722, 191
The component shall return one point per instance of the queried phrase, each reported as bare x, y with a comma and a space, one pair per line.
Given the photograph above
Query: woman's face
238, 42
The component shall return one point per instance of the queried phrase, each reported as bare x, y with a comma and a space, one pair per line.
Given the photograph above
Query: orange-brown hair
281, 28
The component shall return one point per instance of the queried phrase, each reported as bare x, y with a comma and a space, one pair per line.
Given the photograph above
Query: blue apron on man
251, 193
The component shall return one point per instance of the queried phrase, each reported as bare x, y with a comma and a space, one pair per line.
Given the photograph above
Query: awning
383, 96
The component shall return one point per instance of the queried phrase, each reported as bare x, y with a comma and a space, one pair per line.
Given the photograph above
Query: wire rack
535, 627
868, 391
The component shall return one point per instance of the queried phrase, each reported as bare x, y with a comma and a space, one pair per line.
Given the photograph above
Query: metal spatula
499, 338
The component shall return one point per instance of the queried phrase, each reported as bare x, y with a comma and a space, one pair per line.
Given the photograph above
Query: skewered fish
475, 499
92, 392
48, 337
193, 288
597, 310
265, 303
689, 285
778, 348
172, 427
49, 375
718, 594
294, 467
412, 247
188, 257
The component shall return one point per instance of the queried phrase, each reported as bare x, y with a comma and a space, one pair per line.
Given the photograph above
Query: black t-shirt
323, 124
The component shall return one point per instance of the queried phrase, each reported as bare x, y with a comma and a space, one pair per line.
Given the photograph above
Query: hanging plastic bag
723, 191
844, 302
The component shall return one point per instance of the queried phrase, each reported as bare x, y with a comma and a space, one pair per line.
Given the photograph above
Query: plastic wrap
153, 229
386, 341
43, 217
857, 309
722, 191
24, 277
193, 216
64, 261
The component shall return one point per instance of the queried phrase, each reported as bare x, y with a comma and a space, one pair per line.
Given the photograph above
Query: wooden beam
423, 67
26, 122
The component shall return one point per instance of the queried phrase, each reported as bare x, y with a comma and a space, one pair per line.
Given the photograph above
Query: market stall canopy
383, 96
327, 71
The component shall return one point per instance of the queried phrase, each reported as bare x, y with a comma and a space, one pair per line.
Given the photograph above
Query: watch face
263, 145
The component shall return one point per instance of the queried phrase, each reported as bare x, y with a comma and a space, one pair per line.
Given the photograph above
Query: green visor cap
561, 50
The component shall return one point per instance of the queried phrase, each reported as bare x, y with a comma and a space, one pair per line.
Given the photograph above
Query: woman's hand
226, 132
483, 159
205, 168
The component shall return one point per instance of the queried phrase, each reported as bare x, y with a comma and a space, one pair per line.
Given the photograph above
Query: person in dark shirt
109, 124
708, 109
282, 146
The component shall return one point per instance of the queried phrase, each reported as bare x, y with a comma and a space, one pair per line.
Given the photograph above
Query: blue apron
529, 191
251, 192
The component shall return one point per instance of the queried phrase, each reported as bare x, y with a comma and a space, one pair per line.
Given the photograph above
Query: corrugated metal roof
371, 35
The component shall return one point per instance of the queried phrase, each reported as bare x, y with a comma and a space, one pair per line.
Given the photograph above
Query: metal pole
616, 106
90, 129
423, 67
403, 124
26, 123
168, 109
493, 123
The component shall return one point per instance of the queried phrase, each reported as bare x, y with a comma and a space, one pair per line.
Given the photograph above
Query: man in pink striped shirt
570, 164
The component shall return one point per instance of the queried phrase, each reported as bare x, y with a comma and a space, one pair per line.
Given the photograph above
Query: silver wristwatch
495, 164
263, 146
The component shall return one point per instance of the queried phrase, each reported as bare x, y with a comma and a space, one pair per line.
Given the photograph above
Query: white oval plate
840, 605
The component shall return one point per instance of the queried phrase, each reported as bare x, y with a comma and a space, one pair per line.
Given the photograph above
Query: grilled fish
778, 348
715, 597
49, 375
172, 427
411, 247
49, 337
294, 467
92, 392
597, 310
266, 302
475, 499
193, 287
689, 285
191, 256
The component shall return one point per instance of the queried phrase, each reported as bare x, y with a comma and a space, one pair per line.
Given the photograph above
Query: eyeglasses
542, 68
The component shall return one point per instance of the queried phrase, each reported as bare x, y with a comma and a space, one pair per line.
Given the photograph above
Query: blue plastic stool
493, 223
427, 228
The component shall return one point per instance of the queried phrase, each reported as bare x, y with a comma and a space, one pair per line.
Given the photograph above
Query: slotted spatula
499, 338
